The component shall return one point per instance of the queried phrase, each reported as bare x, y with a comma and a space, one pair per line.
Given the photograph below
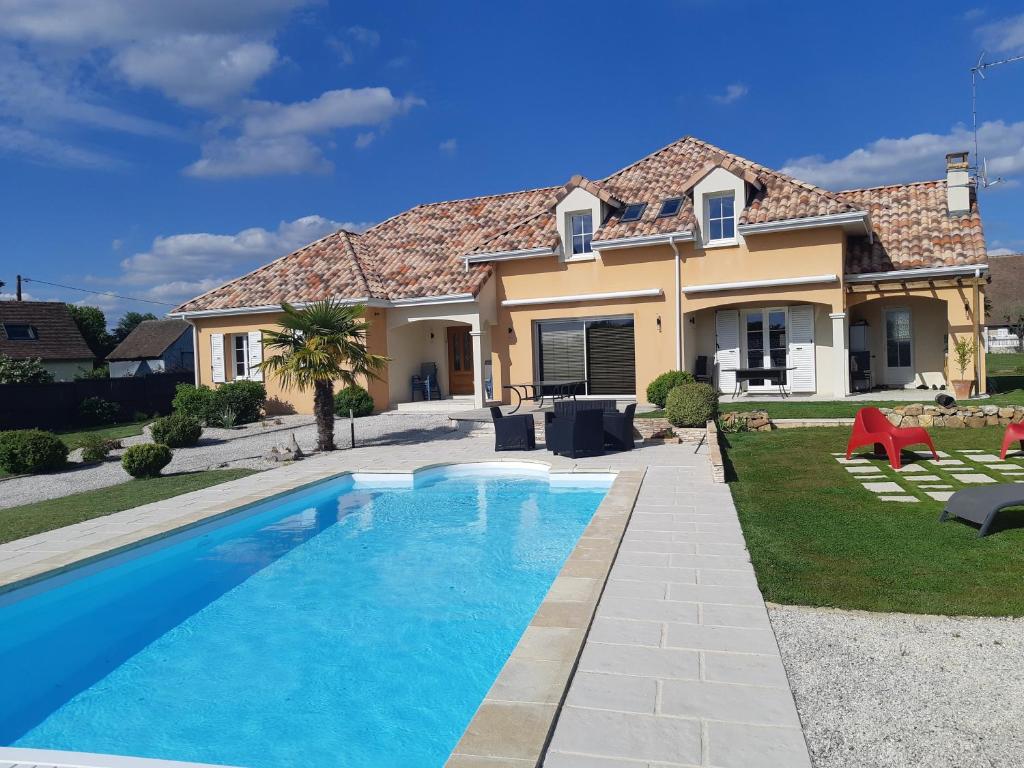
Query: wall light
658, 321
693, 320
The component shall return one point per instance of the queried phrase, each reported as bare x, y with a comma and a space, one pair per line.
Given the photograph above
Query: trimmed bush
146, 460
94, 411
691, 405
197, 402
23, 371
31, 451
96, 448
657, 390
245, 398
355, 398
177, 430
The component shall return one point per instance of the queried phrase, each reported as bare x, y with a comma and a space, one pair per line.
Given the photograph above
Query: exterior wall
279, 399
177, 357
66, 370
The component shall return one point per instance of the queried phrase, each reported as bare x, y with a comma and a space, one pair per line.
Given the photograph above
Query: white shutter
727, 340
255, 355
801, 348
217, 356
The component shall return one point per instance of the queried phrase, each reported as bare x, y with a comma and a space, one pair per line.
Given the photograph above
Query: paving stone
725, 594
973, 478
940, 495
938, 486
625, 632
864, 470
727, 578
736, 745
923, 478
884, 487
727, 701
617, 734
985, 458
648, 610
911, 468
643, 661
852, 461
745, 668
623, 693
734, 616
905, 499
566, 760
655, 573
947, 463
734, 640
655, 590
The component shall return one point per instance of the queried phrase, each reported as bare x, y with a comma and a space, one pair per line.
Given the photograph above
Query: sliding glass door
598, 351
766, 342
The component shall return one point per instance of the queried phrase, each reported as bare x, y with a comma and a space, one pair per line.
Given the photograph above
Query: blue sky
156, 149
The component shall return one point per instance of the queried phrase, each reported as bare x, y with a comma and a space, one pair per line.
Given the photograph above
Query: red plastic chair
1014, 432
870, 427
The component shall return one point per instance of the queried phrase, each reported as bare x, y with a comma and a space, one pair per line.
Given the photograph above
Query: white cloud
49, 151
333, 109
259, 156
363, 140
914, 158
364, 36
200, 70
1003, 36
733, 92
449, 146
1001, 252
344, 45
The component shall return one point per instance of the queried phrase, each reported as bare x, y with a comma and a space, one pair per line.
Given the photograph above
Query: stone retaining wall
755, 421
660, 429
958, 417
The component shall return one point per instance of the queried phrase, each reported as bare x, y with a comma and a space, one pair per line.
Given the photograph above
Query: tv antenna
978, 70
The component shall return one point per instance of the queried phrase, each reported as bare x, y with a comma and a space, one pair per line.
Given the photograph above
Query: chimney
17, 290
958, 184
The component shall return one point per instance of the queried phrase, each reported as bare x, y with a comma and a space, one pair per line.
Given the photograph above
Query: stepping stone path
974, 477
940, 495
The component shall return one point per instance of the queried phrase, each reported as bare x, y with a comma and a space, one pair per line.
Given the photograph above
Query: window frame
679, 206
235, 376
709, 198
585, 236
640, 208
32, 333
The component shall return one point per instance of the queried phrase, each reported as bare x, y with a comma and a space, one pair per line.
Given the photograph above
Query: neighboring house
154, 346
691, 252
1006, 297
44, 329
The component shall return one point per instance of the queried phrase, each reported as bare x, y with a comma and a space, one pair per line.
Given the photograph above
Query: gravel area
218, 448
887, 690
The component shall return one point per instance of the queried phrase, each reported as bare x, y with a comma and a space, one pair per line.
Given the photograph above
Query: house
44, 330
1006, 299
153, 346
689, 255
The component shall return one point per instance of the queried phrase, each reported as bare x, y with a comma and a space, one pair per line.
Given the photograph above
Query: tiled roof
58, 336
149, 340
420, 252
913, 230
1006, 291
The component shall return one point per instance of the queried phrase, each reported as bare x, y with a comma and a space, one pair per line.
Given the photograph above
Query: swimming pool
358, 622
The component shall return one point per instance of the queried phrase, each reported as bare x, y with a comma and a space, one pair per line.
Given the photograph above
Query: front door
460, 360
899, 348
766, 344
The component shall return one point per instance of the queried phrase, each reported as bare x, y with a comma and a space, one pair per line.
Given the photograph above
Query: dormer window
581, 225
721, 216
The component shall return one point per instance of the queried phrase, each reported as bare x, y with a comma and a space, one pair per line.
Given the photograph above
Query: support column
478, 369
840, 354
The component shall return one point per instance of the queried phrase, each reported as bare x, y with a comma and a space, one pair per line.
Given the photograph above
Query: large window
581, 227
767, 345
598, 351
721, 217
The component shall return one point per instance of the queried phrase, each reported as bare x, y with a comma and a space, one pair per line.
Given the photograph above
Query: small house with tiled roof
153, 346
46, 331
690, 258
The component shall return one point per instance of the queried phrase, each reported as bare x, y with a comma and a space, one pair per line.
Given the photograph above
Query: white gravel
885, 690
243, 447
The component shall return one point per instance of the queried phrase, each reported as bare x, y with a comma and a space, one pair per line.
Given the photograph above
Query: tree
128, 322
27, 371
92, 324
1015, 319
316, 346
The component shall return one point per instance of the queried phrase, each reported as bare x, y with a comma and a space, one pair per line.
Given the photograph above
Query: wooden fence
56, 405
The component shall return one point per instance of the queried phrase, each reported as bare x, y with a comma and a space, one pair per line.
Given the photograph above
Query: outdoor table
752, 374
535, 390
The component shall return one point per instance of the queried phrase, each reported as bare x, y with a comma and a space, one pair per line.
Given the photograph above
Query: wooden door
460, 360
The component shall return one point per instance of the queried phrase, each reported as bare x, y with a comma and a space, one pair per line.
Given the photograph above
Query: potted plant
963, 354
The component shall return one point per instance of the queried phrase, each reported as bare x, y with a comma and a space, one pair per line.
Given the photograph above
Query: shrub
657, 390
96, 410
177, 430
146, 460
691, 405
28, 371
102, 372
31, 451
245, 398
353, 398
227, 418
96, 448
197, 402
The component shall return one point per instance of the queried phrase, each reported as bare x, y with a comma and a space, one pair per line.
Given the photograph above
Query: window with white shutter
255, 355
801, 348
217, 357
727, 343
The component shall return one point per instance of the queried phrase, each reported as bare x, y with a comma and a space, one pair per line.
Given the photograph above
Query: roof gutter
809, 222
641, 240
967, 270
525, 253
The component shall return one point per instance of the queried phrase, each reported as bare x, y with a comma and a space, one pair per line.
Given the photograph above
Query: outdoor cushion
981, 505
870, 427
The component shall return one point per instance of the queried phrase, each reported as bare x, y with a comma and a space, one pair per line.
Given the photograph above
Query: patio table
535, 390
774, 373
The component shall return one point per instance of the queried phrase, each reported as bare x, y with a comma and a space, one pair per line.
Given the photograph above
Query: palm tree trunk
323, 408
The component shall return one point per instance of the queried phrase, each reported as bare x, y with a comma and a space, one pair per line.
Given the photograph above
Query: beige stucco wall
279, 399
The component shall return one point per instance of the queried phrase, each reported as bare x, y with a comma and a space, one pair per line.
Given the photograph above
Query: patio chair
1014, 433
870, 427
576, 435
513, 433
425, 382
618, 428
700, 369
982, 504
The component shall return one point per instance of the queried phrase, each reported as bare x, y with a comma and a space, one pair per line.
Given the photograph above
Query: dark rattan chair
576, 435
513, 433
700, 370
618, 429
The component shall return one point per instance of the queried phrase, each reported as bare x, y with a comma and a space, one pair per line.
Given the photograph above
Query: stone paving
680, 666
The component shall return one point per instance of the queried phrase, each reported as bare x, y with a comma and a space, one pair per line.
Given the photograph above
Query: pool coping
514, 723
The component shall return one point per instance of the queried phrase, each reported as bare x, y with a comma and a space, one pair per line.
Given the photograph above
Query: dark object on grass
945, 401
513, 433
576, 435
981, 505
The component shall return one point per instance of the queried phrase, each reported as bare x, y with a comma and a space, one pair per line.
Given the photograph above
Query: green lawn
26, 520
1011, 362
112, 432
817, 538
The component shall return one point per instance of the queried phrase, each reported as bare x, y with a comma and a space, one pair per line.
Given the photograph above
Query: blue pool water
350, 624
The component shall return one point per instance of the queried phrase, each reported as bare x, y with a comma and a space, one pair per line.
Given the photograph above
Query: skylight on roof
670, 206
633, 211
18, 332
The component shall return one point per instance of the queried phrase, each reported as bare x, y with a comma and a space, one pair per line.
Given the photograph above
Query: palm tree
316, 346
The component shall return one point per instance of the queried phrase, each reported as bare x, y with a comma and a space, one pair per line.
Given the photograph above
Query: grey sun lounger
981, 505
